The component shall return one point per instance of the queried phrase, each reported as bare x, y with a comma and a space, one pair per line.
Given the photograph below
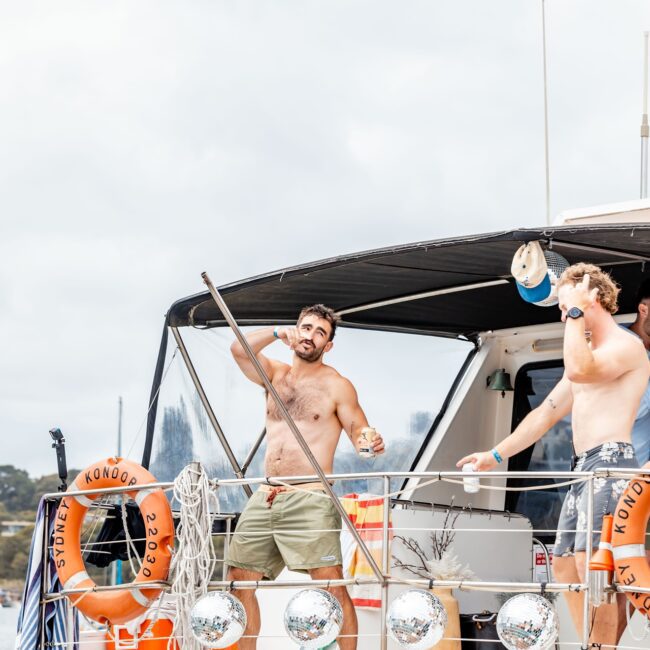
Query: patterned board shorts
572, 525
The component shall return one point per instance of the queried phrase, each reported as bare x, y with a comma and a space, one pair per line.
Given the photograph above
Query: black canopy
469, 277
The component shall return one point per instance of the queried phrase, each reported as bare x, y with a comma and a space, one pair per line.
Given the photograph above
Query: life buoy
119, 606
628, 540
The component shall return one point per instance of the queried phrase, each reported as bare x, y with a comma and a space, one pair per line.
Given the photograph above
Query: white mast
546, 160
644, 122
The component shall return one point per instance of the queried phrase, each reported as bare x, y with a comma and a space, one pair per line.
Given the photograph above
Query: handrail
384, 578
308, 478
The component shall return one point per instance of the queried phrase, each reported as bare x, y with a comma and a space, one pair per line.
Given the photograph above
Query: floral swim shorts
571, 535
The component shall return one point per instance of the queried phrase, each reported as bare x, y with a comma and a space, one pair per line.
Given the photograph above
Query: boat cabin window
401, 380
551, 453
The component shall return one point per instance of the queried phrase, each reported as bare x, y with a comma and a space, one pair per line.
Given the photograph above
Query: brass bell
500, 380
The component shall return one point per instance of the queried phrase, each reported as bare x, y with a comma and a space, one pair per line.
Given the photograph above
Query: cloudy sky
144, 142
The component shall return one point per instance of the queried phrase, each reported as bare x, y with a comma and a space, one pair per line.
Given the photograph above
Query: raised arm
557, 405
351, 415
606, 363
258, 340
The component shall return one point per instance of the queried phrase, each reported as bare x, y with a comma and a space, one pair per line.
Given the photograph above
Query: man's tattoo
552, 403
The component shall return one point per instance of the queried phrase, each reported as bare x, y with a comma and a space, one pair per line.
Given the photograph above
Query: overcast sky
144, 142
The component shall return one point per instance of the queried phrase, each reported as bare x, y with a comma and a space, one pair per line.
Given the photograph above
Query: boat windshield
401, 379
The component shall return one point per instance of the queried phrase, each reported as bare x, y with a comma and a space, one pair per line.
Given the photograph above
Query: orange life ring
120, 606
628, 540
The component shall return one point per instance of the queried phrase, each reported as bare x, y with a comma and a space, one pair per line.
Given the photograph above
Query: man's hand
580, 296
482, 461
289, 336
377, 443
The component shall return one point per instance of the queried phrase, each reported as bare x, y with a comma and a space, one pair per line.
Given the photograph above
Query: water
8, 618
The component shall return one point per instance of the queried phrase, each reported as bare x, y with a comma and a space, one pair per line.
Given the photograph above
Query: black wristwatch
575, 312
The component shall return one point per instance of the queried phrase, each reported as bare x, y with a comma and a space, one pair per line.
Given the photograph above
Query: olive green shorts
290, 532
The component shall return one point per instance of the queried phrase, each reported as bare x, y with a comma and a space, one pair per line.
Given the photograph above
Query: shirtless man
602, 386
322, 403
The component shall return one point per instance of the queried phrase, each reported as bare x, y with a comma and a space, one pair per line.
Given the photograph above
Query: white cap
529, 265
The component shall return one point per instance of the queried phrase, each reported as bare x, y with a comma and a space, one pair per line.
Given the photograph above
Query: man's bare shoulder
626, 347
279, 368
336, 380
629, 343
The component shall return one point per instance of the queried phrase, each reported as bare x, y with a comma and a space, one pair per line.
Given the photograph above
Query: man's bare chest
621, 392
304, 400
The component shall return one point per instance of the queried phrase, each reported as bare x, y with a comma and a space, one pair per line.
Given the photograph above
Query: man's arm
352, 417
530, 430
584, 365
258, 340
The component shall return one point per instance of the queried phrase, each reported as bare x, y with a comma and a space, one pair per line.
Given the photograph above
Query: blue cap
537, 293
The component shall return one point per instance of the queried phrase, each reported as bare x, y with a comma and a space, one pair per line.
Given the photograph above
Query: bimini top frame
456, 287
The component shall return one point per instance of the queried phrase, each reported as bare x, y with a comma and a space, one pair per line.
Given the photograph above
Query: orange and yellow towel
366, 511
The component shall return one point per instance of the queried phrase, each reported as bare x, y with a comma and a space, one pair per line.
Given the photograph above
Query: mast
116, 569
119, 426
546, 157
644, 122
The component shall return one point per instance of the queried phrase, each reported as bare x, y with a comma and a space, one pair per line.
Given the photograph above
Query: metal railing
385, 579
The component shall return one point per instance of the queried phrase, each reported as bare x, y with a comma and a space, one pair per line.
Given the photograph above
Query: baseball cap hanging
530, 271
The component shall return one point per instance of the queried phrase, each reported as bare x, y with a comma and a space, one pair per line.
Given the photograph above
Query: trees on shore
19, 497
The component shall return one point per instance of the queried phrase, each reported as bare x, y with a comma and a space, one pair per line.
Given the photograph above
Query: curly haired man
606, 371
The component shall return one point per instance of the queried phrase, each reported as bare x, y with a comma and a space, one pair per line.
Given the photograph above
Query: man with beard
282, 526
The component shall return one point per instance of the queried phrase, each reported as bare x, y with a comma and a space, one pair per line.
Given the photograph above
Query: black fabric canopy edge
250, 292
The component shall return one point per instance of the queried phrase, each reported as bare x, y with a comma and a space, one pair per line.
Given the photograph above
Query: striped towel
29, 624
366, 511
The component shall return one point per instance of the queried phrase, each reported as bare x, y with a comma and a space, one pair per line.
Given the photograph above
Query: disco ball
556, 265
527, 622
416, 619
218, 620
313, 618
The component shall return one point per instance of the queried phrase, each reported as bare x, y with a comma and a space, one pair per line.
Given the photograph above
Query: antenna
116, 569
644, 122
119, 426
546, 161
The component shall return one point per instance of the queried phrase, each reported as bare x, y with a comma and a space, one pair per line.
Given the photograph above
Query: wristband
497, 456
275, 332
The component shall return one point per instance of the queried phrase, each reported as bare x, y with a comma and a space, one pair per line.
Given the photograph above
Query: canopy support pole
153, 398
208, 409
292, 425
253, 451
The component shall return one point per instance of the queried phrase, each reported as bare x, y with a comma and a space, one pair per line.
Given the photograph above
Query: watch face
575, 312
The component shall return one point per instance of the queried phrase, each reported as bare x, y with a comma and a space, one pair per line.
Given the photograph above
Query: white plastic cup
471, 484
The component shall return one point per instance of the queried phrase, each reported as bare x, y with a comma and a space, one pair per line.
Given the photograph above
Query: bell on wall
500, 380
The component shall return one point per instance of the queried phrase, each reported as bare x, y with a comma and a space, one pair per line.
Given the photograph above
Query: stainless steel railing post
586, 626
385, 562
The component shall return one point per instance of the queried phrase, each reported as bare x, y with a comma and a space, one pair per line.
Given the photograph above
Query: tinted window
551, 453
